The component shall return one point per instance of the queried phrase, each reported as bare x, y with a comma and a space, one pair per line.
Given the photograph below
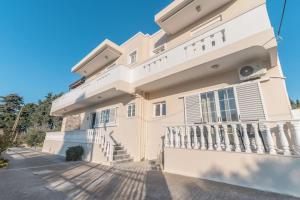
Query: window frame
160, 104
131, 110
130, 57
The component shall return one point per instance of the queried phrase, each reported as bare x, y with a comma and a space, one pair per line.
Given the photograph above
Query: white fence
272, 137
96, 136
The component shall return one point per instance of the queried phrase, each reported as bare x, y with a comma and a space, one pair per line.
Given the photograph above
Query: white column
202, 139
270, 141
226, 138
259, 145
188, 134
182, 134
167, 134
236, 139
246, 139
172, 136
209, 138
296, 136
283, 139
196, 143
218, 139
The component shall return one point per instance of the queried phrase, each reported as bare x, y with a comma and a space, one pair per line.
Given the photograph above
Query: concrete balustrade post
246, 139
236, 139
226, 138
167, 134
296, 136
189, 142
196, 143
182, 136
202, 139
218, 139
283, 139
270, 141
209, 138
177, 137
259, 145
172, 137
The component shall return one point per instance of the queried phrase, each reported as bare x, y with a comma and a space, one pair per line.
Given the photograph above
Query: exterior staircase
120, 155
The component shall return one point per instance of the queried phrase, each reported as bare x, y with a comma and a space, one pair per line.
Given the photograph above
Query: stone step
120, 157
125, 160
118, 148
120, 152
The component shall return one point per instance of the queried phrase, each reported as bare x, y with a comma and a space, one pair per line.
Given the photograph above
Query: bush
35, 137
3, 163
74, 153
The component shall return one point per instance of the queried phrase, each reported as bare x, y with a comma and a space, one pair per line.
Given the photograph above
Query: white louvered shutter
250, 102
112, 116
192, 109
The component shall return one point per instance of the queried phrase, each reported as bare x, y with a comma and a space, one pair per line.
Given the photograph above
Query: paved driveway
34, 176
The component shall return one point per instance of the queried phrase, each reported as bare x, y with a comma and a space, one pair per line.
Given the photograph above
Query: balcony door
208, 107
93, 120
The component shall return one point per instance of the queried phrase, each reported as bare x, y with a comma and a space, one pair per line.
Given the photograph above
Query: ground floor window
160, 109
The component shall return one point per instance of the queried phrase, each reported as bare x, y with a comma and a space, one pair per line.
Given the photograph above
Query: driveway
35, 175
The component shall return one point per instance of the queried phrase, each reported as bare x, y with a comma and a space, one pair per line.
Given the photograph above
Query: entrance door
93, 120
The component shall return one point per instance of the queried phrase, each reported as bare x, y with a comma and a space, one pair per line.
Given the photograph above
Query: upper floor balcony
227, 46
108, 84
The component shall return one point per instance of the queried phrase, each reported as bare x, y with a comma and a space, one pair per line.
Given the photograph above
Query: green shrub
35, 137
74, 153
3, 163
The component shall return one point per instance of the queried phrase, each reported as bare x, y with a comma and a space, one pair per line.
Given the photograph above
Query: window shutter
192, 108
250, 102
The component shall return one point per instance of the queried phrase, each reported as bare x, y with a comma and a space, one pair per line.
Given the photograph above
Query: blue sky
41, 40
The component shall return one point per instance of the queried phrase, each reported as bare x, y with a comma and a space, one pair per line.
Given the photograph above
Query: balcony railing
270, 137
89, 88
225, 34
91, 136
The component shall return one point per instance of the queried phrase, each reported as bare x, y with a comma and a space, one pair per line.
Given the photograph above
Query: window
131, 110
133, 57
93, 120
208, 106
108, 116
160, 109
227, 105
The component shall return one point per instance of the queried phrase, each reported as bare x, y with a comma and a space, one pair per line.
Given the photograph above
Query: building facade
209, 79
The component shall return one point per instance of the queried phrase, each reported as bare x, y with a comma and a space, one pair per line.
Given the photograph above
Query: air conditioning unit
251, 71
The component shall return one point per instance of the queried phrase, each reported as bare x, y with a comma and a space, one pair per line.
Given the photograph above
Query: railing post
177, 138
226, 138
218, 139
209, 138
202, 139
182, 145
270, 141
189, 143
258, 142
196, 143
172, 137
246, 139
167, 137
283, 139
111, 152
296, 136
237, 147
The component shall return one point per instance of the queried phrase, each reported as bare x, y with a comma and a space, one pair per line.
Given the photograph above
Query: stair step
120, 152
122, 161
120, 157
118, 148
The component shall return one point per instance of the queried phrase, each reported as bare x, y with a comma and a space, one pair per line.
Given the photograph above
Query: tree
10, 106
35, 137
297, 103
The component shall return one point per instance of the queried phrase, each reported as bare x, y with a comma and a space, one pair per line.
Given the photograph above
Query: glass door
227, 104
208, 107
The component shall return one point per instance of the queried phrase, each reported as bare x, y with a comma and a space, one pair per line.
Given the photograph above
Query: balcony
228, 46
108, 84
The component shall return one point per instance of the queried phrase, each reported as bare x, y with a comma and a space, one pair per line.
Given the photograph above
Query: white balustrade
89, 136
260, 132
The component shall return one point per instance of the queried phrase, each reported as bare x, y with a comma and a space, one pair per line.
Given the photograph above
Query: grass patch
3, 163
